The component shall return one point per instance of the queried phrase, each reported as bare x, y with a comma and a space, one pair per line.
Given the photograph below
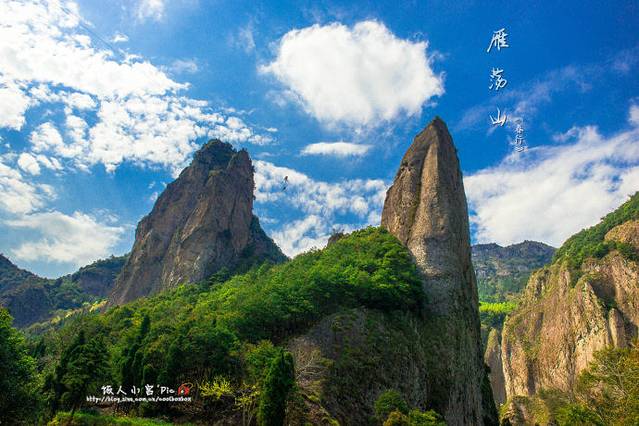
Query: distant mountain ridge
30, 298
502, 272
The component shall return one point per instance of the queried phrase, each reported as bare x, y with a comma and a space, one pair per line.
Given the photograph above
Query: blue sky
101, 106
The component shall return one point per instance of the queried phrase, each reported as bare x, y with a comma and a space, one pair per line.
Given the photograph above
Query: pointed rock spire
426, 210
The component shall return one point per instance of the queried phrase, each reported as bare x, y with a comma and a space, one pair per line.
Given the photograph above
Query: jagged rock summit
426, 210
201, 223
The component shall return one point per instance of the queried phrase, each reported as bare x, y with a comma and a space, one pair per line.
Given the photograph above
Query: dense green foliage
82, 369
610, 387
389, 401
278, 383
391, 409
224, 335
19, 385
493, 315
590, 242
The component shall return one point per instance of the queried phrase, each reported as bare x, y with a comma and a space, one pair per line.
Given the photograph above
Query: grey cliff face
201, 223
492, 358
426, 210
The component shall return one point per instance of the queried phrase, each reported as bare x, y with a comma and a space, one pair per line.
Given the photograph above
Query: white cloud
76, 239
355, 76
141, 116
19, 196
354, 202
302, 235
337, 149
119, 38
13, 105
244, 38
634, 115
29, 164
150, 9
184, 66
553, 191
113, 108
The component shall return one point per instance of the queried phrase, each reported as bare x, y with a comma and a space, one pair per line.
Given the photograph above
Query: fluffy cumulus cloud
118, 107
75, 239
336, 149
106, 108
553, 191
28, 163
19, 194
52, 236
356, 75
345, 205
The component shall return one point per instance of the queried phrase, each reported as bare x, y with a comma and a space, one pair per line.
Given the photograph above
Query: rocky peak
425, 208
201, 223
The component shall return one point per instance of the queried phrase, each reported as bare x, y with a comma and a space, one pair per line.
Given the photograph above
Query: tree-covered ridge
502, 272
31, 299
12, 276
226, 334
590, 242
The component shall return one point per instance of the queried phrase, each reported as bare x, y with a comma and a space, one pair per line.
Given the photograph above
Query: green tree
425, 418
82, 370
278, 382
18, 377
54, 384
414, 418
611, 386
577, 415
169, 374
132, 367
389, 401
397, 418
87, 370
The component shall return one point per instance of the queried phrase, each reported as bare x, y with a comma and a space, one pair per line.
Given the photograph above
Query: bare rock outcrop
201, 223
492, 358
426, 210
567, 315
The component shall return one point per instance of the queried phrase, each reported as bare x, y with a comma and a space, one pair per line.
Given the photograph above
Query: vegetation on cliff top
224, 335
590, 242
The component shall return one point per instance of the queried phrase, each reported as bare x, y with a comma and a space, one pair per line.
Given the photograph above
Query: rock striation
425, 208
201, 223
492, 358
568, 314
